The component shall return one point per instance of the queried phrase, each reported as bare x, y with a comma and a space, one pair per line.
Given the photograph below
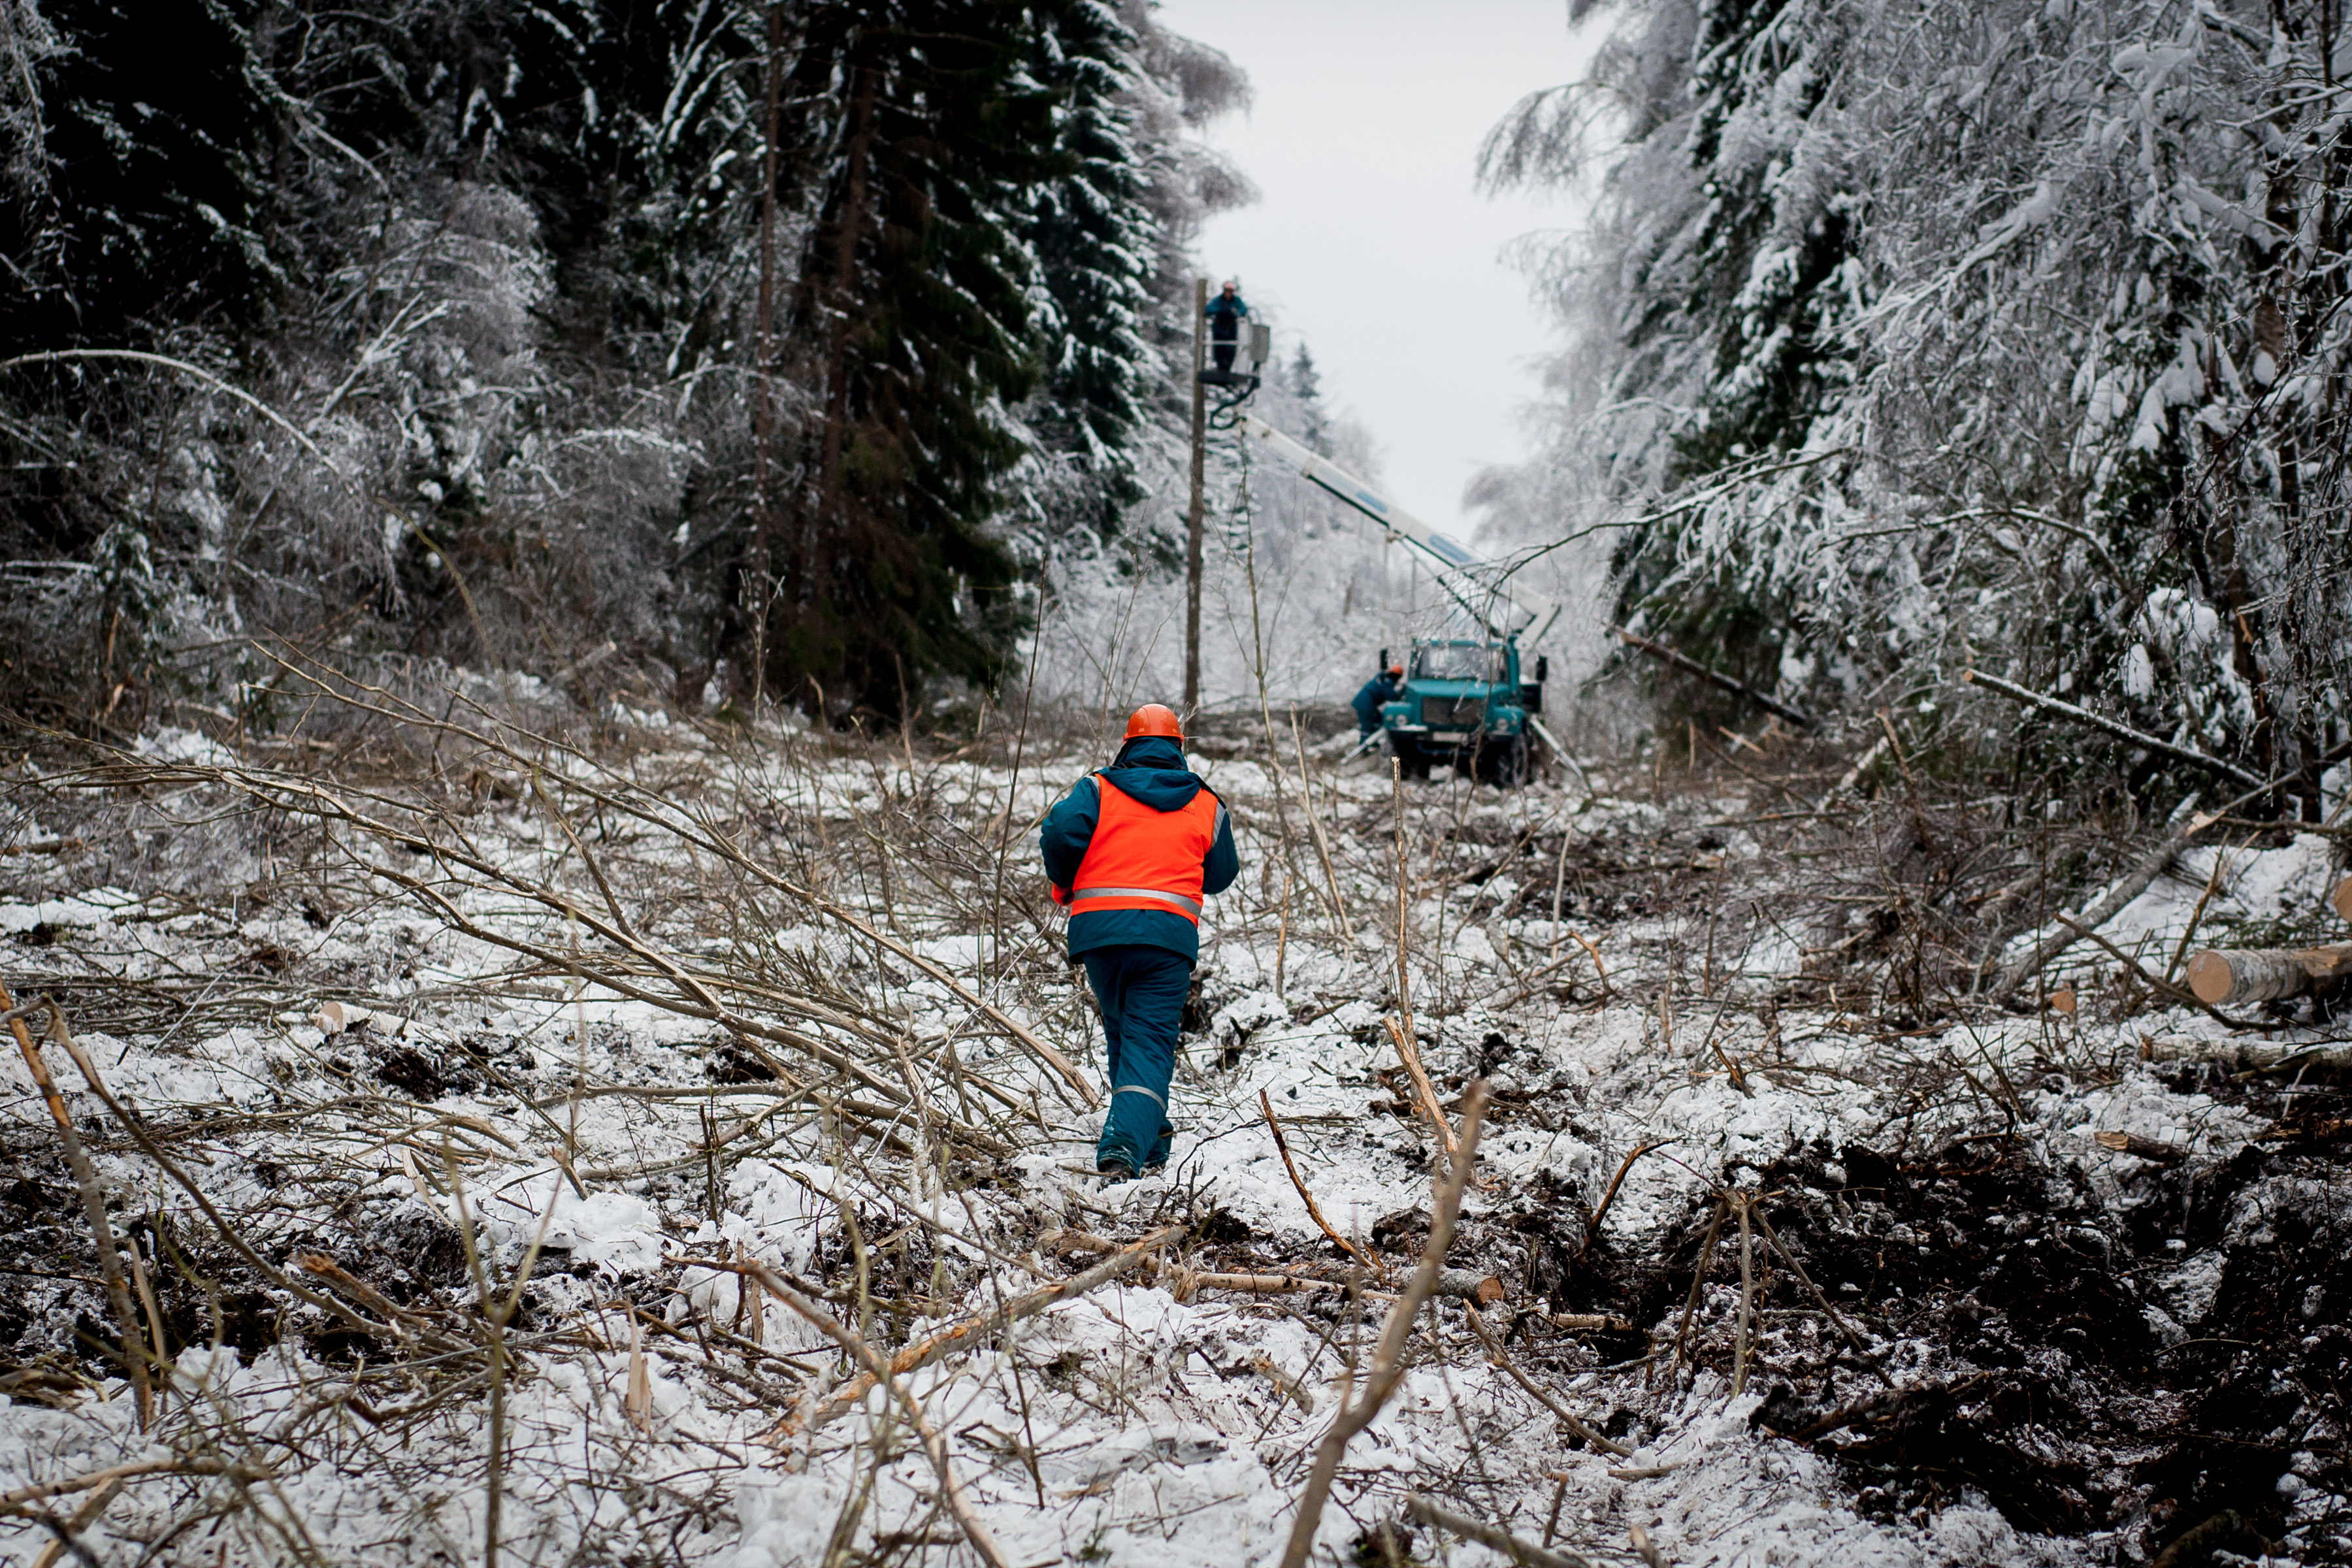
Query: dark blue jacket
1225, 315
1153, 771
1379, 689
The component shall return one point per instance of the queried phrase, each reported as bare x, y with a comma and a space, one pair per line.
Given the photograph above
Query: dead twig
2125, 732
2130, 887
878, 1373
1295, 1389
2196, 915
14, 1502
2132, 1143
1553, 966
93, 1197
1848, 1329
228, 1232
1593, 1226
1716, 678
961, 1334
1699, 1279
87, 1514
1426, 1512
1315, 823
1738, 1201
1562, 1412
1427, 1097
1388, 1361
2162, 987
1281, 1147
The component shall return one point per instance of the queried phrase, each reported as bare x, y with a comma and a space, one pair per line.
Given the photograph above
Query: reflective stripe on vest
1140, 858
1174, 900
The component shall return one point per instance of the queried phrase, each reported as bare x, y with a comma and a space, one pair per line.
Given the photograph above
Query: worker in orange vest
1130, 852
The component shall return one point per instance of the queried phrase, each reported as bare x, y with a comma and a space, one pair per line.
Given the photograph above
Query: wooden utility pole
1195, 517
763, 352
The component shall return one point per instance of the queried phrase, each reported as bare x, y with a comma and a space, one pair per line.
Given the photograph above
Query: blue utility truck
1466, 705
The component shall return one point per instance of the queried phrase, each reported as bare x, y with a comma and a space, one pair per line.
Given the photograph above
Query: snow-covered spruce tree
1181, 85
1726, 267
994, 199
1098, 513
1095, 242
630, 137
916, 127
2010, 337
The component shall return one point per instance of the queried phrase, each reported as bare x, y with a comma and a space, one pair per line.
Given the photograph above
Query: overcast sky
1368, 238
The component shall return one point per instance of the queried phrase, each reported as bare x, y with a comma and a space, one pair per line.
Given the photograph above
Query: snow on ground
2279, 896
1141, 1423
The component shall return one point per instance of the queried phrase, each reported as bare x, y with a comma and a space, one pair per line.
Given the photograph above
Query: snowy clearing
584, 1034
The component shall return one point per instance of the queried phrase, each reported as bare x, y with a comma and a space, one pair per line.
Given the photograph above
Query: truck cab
1465, 705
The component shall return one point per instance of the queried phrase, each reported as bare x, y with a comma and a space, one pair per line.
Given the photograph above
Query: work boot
1114, 1172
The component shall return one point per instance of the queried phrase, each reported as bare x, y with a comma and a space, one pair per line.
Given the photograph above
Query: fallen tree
2219, 767
1674, 660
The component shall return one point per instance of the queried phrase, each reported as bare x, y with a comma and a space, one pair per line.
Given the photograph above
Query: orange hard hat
1396, 669
1155, 718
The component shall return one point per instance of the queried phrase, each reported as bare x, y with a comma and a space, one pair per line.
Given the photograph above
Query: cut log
1471, 1286
2245, 1056
2343, 899
2222, 976
2133, 886
2143, 1148
1250, 1284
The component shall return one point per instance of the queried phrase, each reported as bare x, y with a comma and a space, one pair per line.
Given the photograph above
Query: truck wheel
1506, 763
1409, 756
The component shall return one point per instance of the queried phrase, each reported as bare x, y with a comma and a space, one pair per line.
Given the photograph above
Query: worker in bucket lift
1382, 688
1130, 852
1226, 313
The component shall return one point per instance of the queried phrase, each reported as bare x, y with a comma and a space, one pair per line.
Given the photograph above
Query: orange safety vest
1140, 858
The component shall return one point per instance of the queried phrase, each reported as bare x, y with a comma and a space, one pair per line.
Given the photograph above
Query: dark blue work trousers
1142, 991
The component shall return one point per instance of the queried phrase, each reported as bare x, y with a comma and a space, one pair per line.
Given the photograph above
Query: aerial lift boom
1482, 599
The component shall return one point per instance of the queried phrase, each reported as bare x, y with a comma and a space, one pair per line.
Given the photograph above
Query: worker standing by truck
1380, 690
1131, 851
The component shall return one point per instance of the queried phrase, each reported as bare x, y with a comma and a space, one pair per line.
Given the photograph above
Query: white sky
1368, 238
